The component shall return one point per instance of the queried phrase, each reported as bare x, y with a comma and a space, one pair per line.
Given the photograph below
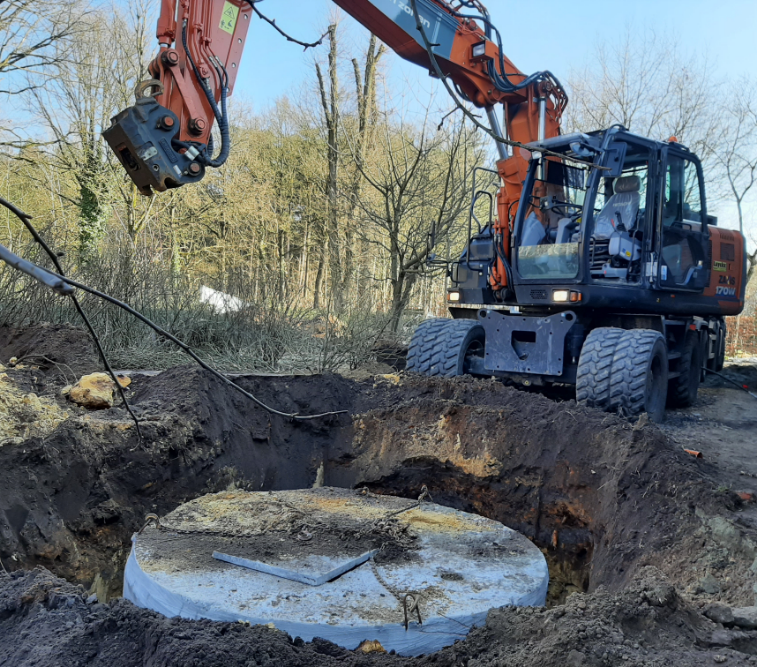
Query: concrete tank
343, 565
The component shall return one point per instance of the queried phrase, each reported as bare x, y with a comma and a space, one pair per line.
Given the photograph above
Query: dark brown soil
62, 348
639, 535
47, 622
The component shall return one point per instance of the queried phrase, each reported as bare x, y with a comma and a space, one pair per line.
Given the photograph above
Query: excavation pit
639, 536
337, 564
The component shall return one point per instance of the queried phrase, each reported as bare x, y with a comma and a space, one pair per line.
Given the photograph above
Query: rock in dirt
371, 646
708, 585
745, 617
719, 614
95, 391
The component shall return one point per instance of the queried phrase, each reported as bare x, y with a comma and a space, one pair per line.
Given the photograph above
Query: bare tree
36, 37
420, 182
133, 43
734, 149
641, 82
330, 105
365, 89
94, 81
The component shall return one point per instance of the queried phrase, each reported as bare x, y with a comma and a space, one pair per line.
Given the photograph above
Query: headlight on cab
560, 295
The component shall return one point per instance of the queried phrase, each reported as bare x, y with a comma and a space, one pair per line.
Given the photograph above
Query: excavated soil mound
605, 500
59, 347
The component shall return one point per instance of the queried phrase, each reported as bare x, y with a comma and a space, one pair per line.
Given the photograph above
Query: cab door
682, 234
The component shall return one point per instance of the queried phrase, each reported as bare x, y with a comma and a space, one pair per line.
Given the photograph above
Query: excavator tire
424, 344
442, 350
720, 357
639, 374
683, 389
594, 366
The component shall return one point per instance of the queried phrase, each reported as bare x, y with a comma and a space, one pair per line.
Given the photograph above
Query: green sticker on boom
229, 18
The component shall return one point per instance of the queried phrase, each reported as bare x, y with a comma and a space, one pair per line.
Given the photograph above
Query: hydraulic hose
220, 115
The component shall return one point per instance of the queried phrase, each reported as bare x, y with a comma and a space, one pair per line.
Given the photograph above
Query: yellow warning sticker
720, 266
229, 18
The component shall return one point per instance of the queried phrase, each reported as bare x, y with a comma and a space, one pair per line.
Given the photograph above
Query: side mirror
712, 220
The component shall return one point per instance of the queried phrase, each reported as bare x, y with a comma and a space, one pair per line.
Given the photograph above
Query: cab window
683, 196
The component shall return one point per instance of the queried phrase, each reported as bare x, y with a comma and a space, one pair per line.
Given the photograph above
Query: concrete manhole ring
335, 564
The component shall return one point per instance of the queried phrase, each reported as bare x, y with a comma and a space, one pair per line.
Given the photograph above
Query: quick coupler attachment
141, 137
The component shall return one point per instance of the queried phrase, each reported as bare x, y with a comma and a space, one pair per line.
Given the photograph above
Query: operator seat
622, 207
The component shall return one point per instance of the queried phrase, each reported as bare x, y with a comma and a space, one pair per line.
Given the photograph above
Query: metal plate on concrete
312, 570
458, 565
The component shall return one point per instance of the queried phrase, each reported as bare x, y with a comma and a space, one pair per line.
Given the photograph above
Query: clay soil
642, 538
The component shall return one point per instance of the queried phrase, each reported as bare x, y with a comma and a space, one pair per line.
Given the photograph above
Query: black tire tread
594, 366
435, 348
628, 376
679, 387
423, 344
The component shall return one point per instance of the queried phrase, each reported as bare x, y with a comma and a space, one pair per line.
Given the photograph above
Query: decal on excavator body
229, 18
439, 26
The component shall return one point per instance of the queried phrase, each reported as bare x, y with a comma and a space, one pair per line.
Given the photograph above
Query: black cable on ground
26, 219
743, 387
176, 341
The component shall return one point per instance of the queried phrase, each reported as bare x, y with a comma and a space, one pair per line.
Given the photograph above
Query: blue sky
539, 34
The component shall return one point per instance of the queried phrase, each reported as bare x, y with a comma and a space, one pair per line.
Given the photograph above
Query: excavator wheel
683, 389
423, 345
443, 348
720, 356
594, 366
639, 374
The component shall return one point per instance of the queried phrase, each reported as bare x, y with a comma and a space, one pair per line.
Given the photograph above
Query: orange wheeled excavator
598, 265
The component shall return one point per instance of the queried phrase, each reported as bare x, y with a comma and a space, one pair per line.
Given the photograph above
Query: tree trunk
365, 86
330, 105
402, 287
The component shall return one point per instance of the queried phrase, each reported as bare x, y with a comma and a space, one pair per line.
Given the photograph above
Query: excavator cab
628, 220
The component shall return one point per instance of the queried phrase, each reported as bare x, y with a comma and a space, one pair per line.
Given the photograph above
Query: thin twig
26, 219
48, 360
289, 38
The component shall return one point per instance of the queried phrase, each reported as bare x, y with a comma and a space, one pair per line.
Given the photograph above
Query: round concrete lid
334, 563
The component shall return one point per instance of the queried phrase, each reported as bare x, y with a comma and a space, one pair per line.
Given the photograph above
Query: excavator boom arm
164, 141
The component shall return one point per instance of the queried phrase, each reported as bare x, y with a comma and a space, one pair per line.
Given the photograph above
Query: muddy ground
646, 543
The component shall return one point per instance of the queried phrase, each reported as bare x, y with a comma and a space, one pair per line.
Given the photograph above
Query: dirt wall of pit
599, 495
